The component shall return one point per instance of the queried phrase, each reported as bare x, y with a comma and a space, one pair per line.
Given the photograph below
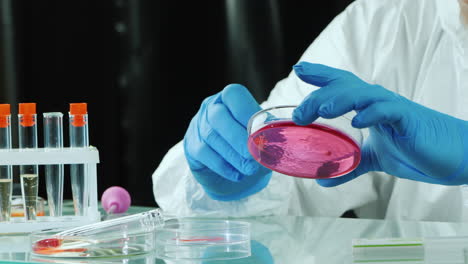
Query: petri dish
17, 206
109, 245
192, 239
327, 148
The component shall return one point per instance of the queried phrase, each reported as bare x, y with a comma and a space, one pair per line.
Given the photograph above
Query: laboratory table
283, 239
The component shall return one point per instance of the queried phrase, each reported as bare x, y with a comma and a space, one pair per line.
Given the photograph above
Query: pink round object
115, 200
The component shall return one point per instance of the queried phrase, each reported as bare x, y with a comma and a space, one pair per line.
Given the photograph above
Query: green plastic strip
388, 245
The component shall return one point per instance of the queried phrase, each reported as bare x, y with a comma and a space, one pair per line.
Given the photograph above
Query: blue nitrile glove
406, 139
215, 146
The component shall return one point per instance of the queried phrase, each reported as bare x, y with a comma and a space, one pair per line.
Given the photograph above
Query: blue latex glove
406, 139
215, 146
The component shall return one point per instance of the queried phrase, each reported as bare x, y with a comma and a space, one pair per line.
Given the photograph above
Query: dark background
144, 67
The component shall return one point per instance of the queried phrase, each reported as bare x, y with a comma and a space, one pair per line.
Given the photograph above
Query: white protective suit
417, 48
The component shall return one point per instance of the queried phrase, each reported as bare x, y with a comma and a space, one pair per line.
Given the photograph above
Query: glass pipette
89, 239
6, 175
29, 173
53, 139
78, 119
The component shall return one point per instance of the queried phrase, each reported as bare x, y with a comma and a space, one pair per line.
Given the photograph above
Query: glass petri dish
327, 148
109, 245
192, 239
17, 206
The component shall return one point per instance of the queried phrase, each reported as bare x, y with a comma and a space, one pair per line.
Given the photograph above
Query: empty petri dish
192, 239
326, 148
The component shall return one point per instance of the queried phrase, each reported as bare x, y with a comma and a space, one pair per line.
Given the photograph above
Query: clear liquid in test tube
29, 174
78, 119
53, 139
6, 173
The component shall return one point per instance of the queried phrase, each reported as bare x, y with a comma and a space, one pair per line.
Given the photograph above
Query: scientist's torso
420, 50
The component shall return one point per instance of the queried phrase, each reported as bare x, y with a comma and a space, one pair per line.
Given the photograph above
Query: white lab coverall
417, 48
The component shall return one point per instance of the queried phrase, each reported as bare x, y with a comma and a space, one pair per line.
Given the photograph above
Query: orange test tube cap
4, 113
5, 109
78, 109
27, 110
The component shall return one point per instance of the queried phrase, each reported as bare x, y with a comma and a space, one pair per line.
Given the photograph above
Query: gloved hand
215, 146
406, 139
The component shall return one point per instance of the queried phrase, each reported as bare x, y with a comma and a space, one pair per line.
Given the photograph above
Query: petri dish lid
199, 239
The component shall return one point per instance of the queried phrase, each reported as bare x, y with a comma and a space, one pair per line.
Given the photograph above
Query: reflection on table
280, 239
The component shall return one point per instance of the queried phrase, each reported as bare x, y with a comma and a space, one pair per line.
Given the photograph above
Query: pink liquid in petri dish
313, 151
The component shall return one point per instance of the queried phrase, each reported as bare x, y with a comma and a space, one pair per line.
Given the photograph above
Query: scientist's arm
406, 139
211, 172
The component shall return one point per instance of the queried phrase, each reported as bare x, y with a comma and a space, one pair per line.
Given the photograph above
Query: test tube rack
47, 156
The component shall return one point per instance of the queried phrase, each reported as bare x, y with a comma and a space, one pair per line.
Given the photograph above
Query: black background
144, 66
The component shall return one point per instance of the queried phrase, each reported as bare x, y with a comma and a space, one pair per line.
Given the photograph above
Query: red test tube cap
4, 113
5, 109
27, 108
78, 109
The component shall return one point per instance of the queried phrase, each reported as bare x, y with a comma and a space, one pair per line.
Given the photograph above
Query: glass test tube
78, 119
53, 139
27, 132
6, 175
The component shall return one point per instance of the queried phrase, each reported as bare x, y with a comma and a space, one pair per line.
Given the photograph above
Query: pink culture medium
312, 151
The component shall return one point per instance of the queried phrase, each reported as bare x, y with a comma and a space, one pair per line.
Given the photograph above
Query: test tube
6, 175
53, 139
27, 132
78, 119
